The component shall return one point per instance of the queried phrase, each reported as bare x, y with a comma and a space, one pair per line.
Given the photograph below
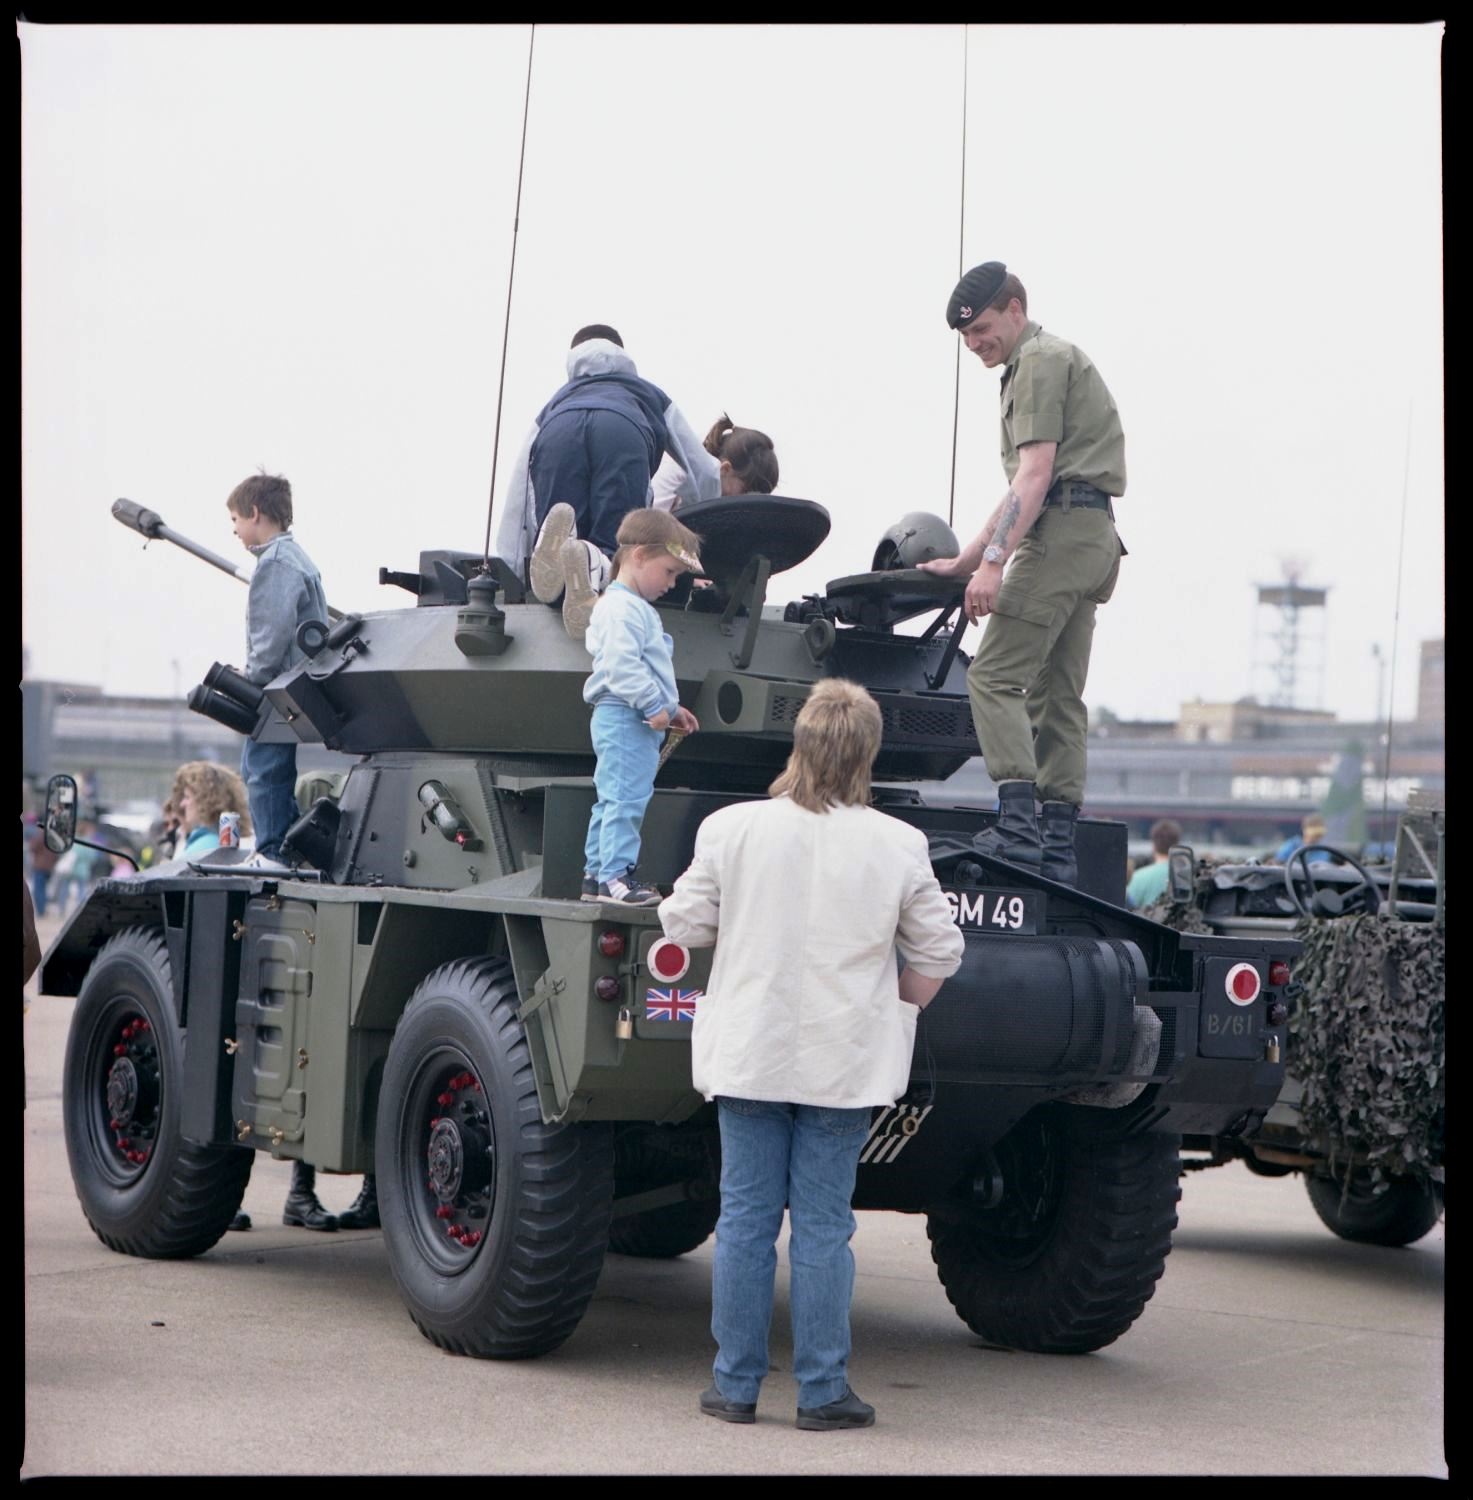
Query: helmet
915, 538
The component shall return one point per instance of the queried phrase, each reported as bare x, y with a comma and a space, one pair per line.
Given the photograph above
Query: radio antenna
510, 278
1406, 470
956, 385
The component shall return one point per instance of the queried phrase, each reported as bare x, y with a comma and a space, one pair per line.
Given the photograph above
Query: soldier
1064, 455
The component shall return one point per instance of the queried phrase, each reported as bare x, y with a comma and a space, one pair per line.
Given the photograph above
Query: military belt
1071, 494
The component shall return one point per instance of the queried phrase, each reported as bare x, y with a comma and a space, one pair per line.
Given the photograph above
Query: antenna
956, 385
510, 278
1291, 634
1406, 468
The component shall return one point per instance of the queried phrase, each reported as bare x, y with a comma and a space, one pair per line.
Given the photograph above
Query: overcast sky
288, 248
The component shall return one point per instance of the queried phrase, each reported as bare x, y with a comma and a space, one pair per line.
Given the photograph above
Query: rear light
611, 943
1243, 984
668, 961
1278, 973
606, 988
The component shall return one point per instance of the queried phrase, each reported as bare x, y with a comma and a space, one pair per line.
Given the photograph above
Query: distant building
1247, 719
1431, 704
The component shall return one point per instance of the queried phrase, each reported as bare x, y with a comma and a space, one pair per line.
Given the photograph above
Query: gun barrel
150, 524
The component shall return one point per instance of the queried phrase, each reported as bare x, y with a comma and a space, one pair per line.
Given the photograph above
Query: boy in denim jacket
634, 697
286, 591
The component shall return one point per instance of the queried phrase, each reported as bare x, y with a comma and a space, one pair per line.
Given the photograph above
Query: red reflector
1243, 984
668, 961
1278, 973
611, 943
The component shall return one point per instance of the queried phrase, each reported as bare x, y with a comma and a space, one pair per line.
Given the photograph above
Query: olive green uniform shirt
1052, 393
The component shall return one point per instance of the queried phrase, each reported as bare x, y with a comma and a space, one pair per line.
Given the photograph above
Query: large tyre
663, 1233
1407, 1210
144, 1189
1067, 1259
496, 1224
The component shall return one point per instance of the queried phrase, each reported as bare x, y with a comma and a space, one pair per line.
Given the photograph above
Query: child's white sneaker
580, 587
547, 554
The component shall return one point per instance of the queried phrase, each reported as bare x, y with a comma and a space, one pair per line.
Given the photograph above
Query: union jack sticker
670, 1005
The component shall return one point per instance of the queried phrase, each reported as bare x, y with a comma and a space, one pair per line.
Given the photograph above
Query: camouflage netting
1176, 915
1368, 1041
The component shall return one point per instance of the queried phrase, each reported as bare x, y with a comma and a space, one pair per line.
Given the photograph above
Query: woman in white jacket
804, 1028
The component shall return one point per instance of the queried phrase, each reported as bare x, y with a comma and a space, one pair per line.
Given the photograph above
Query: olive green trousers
1027, 680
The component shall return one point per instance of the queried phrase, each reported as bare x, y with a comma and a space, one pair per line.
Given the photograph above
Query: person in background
804, 1027
43, 864
1312, 831
202, 790
1148, 883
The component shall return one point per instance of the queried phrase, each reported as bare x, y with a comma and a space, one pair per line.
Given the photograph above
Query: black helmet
915, 538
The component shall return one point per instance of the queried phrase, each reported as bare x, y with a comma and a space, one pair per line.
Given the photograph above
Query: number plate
996, 911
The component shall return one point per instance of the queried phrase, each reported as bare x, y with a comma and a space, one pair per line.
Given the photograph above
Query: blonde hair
657, 530
215, 789
836, 738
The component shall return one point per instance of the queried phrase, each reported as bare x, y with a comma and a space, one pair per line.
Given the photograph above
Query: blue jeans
628, 752
597, 461
805, 1157
270, 775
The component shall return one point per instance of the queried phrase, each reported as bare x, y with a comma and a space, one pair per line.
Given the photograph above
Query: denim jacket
286, 591
633, 659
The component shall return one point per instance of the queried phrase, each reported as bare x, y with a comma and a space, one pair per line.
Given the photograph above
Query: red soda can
230, 830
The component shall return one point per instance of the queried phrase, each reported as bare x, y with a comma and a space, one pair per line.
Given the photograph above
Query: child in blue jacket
634, 697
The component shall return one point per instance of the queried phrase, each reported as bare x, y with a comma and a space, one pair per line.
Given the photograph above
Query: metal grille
784, 708
906, 719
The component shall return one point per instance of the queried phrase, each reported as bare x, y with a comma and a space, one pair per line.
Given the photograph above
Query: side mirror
60, 828
1181, 874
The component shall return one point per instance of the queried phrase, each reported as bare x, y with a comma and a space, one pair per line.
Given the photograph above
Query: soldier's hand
945, 567
982, 591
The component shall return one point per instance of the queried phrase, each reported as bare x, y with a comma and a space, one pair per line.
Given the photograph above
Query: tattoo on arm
1011, 506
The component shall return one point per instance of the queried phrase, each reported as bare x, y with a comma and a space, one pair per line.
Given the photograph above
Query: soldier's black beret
974, 291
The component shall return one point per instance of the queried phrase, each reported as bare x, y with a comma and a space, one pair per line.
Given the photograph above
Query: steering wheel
1301, 855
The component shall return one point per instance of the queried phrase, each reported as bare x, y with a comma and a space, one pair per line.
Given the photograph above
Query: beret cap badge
975, 290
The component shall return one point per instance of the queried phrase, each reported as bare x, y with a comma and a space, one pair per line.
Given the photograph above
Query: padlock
624, 1026
1271, 1052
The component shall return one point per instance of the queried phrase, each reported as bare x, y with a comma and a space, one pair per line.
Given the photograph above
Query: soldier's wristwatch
993, 554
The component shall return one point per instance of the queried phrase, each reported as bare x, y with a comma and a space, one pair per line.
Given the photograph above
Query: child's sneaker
580, 588
547, 554
590, 888
628, 890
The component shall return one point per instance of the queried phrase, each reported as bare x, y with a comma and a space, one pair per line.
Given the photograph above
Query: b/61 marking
1236, 1025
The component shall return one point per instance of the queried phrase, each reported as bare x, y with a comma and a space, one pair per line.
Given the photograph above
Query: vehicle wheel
663, 1233
144, 1189
1067, 1258
1408, 1209
496, 1224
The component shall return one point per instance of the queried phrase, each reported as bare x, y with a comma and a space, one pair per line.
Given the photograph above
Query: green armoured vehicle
418, 991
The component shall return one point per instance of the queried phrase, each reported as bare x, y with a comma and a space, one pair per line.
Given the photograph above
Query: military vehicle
1361, 1115
418, 990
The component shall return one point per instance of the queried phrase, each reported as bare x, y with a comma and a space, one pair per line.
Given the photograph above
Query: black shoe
1056, 827
1014, 837
363, 1212
847, 1411
242, 1220
302, 1210
714, 1404
590, 888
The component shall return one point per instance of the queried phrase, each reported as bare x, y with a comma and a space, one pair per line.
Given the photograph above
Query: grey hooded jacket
286, 591
701, 473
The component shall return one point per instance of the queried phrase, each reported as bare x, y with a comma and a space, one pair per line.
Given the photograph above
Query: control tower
1289, 641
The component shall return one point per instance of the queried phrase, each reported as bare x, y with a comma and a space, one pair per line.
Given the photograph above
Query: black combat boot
1015, 835
362, 1213
1057, 827
302, 1209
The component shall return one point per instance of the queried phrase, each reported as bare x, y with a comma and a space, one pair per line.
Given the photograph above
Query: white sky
288, 247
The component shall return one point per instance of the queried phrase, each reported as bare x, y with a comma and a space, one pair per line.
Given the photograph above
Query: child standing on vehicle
632, 690
286, 592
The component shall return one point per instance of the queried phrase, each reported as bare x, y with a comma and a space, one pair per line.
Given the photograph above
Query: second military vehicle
419, 991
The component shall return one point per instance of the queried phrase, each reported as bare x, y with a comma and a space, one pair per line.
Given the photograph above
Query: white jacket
806, 911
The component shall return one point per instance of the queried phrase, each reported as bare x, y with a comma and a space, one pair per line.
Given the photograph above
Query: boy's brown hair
836, 738
268, 494
649, 527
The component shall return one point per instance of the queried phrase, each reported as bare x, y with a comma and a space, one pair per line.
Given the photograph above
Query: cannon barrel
148, 523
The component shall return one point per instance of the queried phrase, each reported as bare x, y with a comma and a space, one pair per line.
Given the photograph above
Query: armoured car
416, 989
